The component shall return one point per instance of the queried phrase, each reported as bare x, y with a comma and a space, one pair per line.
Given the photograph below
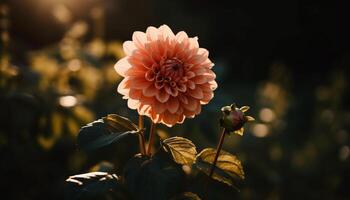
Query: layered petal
167, 76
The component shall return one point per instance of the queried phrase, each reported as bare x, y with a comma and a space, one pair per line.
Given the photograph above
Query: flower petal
123, 87
152, 33
170, 119
136, 72
135, 94
207, 96
190, 84
133, 104
172, 105
199, 79
162, 96
122, 66
191, 105
129, 47
147, 100
183, 99
213, 85
167, 31
181, 36
181, 87
143, 109
139, 38
196, 93
139, 83
150, 91
199, 70
194, 43
190, 74
159, 107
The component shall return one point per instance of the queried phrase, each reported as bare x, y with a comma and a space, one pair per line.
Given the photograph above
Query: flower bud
234, 118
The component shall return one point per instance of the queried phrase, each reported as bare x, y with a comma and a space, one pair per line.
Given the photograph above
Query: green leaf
228, 168
119, 123
183, 151
94, 185
105, 131
157, 178
186, 196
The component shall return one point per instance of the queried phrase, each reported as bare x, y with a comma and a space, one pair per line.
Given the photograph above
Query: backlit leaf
105, 131
228, 168
182, 150
119, 123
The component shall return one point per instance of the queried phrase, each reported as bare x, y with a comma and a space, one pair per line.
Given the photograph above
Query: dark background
291, 57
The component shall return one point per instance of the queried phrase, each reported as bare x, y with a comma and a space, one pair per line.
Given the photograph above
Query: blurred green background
288, 60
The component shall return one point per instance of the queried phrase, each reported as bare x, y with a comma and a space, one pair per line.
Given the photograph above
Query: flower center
172, 68
168, 74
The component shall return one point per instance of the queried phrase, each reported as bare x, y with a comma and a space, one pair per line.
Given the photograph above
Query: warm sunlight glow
74, 65
68, 101
260, 130
267, 115
344, 153
62, 14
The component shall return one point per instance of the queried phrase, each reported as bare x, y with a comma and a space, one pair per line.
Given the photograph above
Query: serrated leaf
186, 196
228, 168
182, 150
105, 131
92, 185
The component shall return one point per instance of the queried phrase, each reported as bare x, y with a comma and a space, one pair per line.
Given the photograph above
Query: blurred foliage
298, 148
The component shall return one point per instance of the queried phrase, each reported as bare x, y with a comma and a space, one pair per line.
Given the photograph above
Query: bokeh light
267, 115
68, 101
344, 153
260, 130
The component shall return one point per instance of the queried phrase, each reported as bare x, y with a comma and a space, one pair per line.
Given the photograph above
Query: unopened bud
234, 118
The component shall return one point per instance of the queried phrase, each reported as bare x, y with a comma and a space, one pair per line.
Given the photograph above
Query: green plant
167, 78
161, 175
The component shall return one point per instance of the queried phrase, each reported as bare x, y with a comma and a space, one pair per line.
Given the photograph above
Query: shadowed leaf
186, 196
157, 178
105, 131
93, 185
182, 150
228, 168
132, 170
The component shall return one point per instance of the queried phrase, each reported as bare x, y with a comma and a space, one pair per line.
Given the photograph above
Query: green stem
141, 137
218, 149
151, 139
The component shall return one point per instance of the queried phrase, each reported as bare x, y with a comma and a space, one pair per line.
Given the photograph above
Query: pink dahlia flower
167, 77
